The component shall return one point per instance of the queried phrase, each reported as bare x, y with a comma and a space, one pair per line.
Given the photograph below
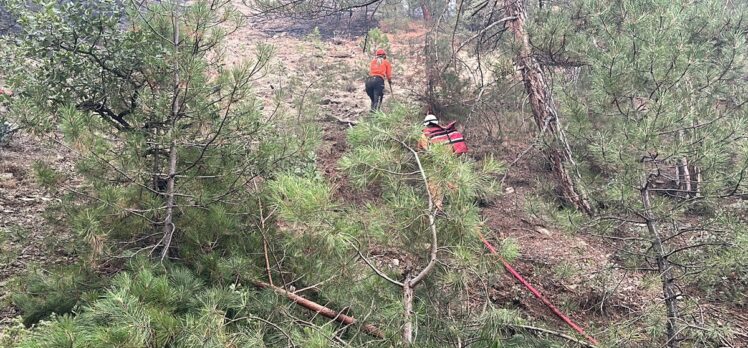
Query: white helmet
430, 118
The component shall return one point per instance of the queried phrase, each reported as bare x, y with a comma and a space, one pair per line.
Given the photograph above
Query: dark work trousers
375, 90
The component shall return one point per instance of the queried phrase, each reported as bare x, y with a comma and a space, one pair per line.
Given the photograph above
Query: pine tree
167, 138
410, 261
657, 110
166, 133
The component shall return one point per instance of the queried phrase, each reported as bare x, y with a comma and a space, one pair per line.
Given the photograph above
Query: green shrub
45, 175
375, 39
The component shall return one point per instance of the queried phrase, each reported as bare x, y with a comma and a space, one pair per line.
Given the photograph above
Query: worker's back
436, 134
380, 67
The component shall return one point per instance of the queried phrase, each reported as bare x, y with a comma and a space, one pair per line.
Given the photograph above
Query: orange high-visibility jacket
381, 67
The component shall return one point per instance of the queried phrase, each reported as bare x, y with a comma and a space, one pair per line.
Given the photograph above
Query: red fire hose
536, 292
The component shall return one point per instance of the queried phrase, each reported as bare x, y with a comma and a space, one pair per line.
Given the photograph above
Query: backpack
447, 134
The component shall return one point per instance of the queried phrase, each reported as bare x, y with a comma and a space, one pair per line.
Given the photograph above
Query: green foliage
46, 176
155, 307
375, 39
43, 293
509, 249
645, 87
316, 39
329, 233
299, 198
155, 125
131, 103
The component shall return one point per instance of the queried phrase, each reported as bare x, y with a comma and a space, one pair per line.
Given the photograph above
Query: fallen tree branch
345, 121
317, 308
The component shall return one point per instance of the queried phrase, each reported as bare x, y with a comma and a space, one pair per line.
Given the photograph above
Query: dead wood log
318, 308
341, 55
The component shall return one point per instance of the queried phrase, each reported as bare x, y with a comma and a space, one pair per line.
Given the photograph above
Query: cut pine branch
322, 310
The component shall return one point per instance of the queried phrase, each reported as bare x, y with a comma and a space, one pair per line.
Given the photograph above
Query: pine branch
411, 282
373, 268
327, 312
432, 220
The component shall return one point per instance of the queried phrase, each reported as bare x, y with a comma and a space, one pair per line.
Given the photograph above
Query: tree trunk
425, 10
685, 179
665, 270
408, 313
168, 228
544, 110
697, 184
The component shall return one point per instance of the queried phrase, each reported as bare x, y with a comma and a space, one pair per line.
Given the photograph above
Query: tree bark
544, 110
665, 270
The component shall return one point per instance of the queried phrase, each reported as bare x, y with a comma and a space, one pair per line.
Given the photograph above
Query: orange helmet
381, 52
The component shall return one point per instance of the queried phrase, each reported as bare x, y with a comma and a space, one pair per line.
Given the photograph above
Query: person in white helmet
434, 133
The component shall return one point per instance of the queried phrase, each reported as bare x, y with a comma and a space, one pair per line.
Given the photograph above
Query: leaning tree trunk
544, 111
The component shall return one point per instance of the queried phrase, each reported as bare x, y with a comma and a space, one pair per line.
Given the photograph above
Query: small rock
395, 262
543, 231
509, 190
6, 176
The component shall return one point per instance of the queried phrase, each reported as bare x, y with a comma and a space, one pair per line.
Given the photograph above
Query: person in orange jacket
379, 70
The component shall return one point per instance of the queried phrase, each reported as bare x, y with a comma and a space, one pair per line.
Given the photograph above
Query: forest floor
325, 77
25, 239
